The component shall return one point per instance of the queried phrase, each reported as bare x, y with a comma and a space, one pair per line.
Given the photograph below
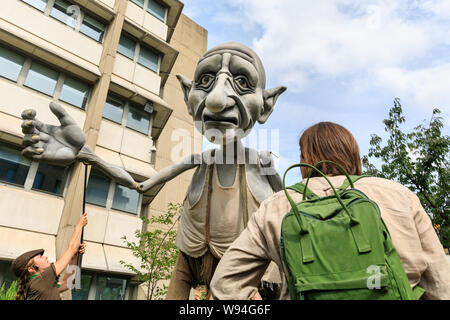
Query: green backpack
338, 248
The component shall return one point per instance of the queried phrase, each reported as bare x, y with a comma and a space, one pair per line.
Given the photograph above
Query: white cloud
426, 87
304, 40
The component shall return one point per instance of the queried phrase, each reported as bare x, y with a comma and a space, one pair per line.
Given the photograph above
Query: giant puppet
225, 99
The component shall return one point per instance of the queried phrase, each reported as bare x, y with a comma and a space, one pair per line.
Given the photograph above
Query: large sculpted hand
48, 143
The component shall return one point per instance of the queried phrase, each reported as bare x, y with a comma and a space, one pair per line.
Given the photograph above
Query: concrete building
111, 64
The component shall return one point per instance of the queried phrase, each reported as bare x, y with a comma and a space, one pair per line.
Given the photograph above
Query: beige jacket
413, 236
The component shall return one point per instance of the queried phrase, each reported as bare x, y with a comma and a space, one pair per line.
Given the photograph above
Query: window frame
152, 50
145, 7
137, 51
126, 109
31, 175
26, 67
86, 97
64, 184
84, 15
124, 103
39, 63
78, 22
21, 68
110, 198
108, 193
17, 148
129, 288
46, 5
139, 5
166, 11
150, 120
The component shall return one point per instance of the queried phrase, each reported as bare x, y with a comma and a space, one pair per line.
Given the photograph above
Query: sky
343, 61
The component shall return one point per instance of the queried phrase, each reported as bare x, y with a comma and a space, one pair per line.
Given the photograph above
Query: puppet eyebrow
248, 70
233, 52
207, 67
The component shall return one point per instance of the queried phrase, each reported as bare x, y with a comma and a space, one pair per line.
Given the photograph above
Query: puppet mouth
220, 119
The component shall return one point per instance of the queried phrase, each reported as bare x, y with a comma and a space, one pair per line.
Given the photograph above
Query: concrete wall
146, 21
54, 33
190, 39
30, 219
136, 74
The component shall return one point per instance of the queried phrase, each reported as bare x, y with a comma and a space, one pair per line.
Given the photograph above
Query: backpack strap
355, 227
353, 179
300, 188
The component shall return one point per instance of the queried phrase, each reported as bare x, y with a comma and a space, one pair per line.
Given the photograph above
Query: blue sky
342, 60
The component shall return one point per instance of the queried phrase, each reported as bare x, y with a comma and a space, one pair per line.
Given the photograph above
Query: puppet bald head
227, 94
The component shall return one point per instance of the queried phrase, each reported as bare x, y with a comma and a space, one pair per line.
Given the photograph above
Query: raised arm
64, 144
170, 172
74, 246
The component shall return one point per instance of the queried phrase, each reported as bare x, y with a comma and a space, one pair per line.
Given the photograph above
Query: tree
156, 251
419, 160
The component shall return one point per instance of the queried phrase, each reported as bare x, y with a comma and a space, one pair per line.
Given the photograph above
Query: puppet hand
48, 143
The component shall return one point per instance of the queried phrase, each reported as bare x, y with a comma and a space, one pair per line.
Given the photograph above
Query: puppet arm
118, 174
170, 172
268, 169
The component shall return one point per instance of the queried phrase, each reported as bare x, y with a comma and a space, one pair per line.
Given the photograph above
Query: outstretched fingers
36, 139
64, 118
34, 127
29, 114
32, 152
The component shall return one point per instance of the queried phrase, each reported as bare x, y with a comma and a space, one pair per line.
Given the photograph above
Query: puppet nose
218, 99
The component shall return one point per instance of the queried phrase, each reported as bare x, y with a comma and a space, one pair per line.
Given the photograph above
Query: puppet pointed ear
270, 97
186, 86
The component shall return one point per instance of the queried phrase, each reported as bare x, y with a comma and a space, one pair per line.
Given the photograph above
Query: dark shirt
44, 286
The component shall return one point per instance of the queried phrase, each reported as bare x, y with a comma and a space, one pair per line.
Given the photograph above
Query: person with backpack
373, 240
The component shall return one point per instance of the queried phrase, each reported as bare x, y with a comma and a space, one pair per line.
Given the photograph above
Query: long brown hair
329, 141
23, 280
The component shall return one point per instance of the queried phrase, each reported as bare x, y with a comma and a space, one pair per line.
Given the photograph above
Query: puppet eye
206, 80
242, 83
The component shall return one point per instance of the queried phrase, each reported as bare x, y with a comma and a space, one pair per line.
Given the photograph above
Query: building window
157, 10
125, 199
13, 166
128, 115
18, 170
126, 47
41, 78
50, 178
60, 11
138, 120
148, 58
74, 92
113, 109
85, 284
109, 288
104, 192
139, 53
140, 3
102, 287
11, 64
38, 4
93, 28
97, 189
67, 13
